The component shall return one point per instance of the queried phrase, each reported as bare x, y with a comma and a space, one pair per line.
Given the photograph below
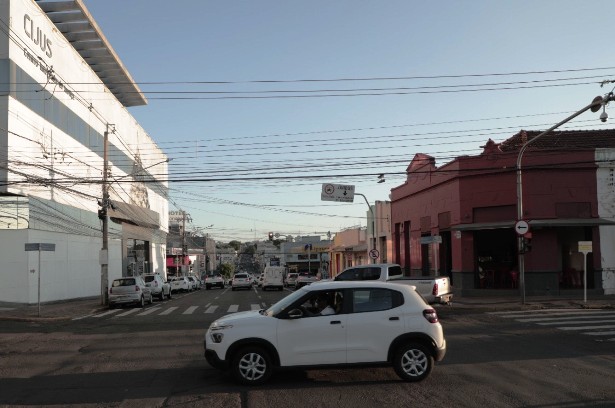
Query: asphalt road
154, 357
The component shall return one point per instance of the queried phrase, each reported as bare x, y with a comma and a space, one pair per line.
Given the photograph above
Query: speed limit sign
374, 254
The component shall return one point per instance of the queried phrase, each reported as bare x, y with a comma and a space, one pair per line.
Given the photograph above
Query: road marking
575, 322
598, 321
587, 328
571, 316
107, 313
168, 311
211, 309
233, 308
190, 310
150, 310
126, 313
601, 333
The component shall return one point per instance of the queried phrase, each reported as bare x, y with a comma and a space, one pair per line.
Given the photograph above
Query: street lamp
594, 106
371, 241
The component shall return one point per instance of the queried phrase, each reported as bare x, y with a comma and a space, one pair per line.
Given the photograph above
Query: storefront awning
134, 214
559, 222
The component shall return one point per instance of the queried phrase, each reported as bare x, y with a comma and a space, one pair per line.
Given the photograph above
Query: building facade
458, 219
64, 95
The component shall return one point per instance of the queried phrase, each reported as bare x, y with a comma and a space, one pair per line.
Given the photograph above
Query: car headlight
216, 335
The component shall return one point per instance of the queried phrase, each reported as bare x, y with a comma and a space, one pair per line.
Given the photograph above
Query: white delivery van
273, 277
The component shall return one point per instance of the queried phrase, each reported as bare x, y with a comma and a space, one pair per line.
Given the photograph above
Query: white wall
71, 271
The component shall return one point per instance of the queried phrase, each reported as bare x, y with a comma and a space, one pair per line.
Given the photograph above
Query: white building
62, 89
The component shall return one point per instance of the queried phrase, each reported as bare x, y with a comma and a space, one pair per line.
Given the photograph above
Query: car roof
372, 265
337, 285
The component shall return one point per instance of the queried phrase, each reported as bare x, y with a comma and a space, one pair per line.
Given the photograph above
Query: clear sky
259, 103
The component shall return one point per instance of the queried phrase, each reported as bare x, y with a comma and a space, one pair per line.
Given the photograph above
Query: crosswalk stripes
169, 310
163, 310
149, 311
190, 310
600, 324
128, 312
211, 309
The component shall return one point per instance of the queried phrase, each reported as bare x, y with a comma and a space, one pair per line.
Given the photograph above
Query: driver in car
323, 304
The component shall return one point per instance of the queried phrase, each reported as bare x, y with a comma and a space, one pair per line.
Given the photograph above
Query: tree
227, 269
235, 245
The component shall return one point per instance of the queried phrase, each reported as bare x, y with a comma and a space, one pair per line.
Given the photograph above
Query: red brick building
471, 204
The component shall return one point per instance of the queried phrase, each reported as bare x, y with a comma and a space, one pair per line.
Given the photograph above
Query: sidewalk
53, 311
533, 302
66, 310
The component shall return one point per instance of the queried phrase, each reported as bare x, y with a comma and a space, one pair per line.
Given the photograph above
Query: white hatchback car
129, 290
331, 323
180, 283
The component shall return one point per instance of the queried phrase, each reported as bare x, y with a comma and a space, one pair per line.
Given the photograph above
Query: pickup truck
435, 289
303, 279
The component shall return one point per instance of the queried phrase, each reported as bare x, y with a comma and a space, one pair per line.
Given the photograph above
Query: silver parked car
129, 290
159, 287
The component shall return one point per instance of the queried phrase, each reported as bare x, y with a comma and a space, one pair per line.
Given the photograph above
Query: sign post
39, 248
585, 247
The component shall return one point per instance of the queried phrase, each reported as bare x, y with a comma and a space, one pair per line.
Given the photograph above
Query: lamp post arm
373, 220
594, 106
526, 145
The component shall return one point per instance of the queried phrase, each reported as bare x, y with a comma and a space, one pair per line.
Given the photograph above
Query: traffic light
526, 244
271, 236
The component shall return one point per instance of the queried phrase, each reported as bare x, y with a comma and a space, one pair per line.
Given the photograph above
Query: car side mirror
295, 314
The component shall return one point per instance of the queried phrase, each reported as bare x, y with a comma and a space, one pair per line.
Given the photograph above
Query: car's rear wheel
170, 295
252, 365
413, 362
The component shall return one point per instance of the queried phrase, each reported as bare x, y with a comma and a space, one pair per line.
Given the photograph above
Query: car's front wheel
413, 362
252, 366
142, 301
170, 295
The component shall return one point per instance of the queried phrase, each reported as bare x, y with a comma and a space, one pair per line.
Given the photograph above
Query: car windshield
241, 276
149, 278
284, 302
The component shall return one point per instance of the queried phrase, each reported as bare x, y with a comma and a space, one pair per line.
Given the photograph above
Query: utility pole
183, 241
103, 214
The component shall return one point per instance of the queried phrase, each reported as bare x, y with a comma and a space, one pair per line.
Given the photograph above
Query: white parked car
129, 290
194, 283
331, 323
214, 281
180, 284
158, 286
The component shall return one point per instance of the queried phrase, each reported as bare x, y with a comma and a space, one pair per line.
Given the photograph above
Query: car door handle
394, 318
336, 322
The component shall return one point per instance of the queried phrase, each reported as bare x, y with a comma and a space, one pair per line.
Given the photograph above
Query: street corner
52, 312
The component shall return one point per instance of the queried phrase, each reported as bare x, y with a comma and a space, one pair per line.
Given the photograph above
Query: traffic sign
374, 254
522, 227
585, 246
337, 192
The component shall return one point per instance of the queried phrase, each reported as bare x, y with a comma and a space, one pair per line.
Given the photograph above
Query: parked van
273, 277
